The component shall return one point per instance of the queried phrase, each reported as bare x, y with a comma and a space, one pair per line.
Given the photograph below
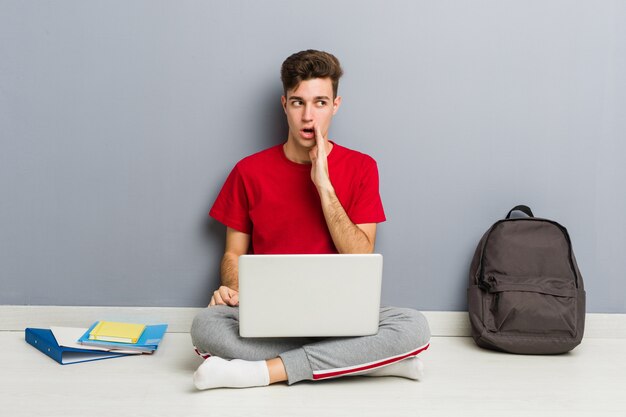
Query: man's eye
296, 103
321, 103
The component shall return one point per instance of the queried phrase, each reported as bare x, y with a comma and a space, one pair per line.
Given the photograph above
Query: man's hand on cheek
319, 161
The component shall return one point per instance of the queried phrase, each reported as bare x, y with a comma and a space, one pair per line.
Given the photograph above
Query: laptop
309, 295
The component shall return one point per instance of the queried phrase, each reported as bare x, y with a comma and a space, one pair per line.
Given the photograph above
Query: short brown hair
305, 65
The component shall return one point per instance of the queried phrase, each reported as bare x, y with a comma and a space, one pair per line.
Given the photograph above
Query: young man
308, 195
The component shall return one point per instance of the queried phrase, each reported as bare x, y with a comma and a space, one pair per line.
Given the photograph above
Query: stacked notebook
126, 336
103, 340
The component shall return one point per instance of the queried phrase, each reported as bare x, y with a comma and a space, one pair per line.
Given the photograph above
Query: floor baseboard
442, 323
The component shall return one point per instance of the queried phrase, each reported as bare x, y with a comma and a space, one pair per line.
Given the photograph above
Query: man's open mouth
308, 133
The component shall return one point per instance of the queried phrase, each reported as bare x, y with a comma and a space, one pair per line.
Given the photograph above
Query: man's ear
283, 102
336, 104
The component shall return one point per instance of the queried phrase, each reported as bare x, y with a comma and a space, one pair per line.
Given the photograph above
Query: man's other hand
225, 296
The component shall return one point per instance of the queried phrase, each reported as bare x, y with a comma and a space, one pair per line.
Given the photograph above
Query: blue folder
44, 341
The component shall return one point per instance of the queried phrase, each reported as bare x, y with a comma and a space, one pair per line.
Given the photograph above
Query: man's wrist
326, 190
232, 286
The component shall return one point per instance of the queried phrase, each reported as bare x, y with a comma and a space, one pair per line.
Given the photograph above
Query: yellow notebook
111, 331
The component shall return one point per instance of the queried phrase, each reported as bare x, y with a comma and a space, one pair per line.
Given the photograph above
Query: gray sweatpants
402, 333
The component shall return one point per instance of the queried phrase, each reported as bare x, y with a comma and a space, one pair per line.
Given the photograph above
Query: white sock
216, 372
412, 368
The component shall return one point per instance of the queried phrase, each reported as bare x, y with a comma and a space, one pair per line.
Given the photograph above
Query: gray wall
119, 121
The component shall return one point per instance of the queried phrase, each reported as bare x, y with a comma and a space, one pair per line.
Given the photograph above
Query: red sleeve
368, 207
231, 205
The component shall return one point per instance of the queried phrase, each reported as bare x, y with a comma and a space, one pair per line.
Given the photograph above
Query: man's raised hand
319, 161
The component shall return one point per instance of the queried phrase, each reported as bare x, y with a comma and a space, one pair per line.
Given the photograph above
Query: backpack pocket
530, 305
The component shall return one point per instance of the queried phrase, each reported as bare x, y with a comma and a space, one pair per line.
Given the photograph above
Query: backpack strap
524, 209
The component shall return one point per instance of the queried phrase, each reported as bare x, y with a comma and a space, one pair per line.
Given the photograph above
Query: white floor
460, 380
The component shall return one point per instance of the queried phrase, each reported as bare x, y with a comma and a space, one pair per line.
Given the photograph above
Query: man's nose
307, 114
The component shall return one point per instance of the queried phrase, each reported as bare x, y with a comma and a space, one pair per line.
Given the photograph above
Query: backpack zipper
484, 285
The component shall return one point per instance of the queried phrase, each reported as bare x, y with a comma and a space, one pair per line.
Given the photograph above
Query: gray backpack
525, 292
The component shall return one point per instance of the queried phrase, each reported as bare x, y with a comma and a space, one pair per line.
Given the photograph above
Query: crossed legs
403, 334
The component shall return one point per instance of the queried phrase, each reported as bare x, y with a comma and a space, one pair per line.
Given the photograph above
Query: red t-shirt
275, 201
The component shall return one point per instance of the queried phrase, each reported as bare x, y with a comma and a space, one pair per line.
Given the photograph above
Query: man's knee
210, 327
421, 329
411, 327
